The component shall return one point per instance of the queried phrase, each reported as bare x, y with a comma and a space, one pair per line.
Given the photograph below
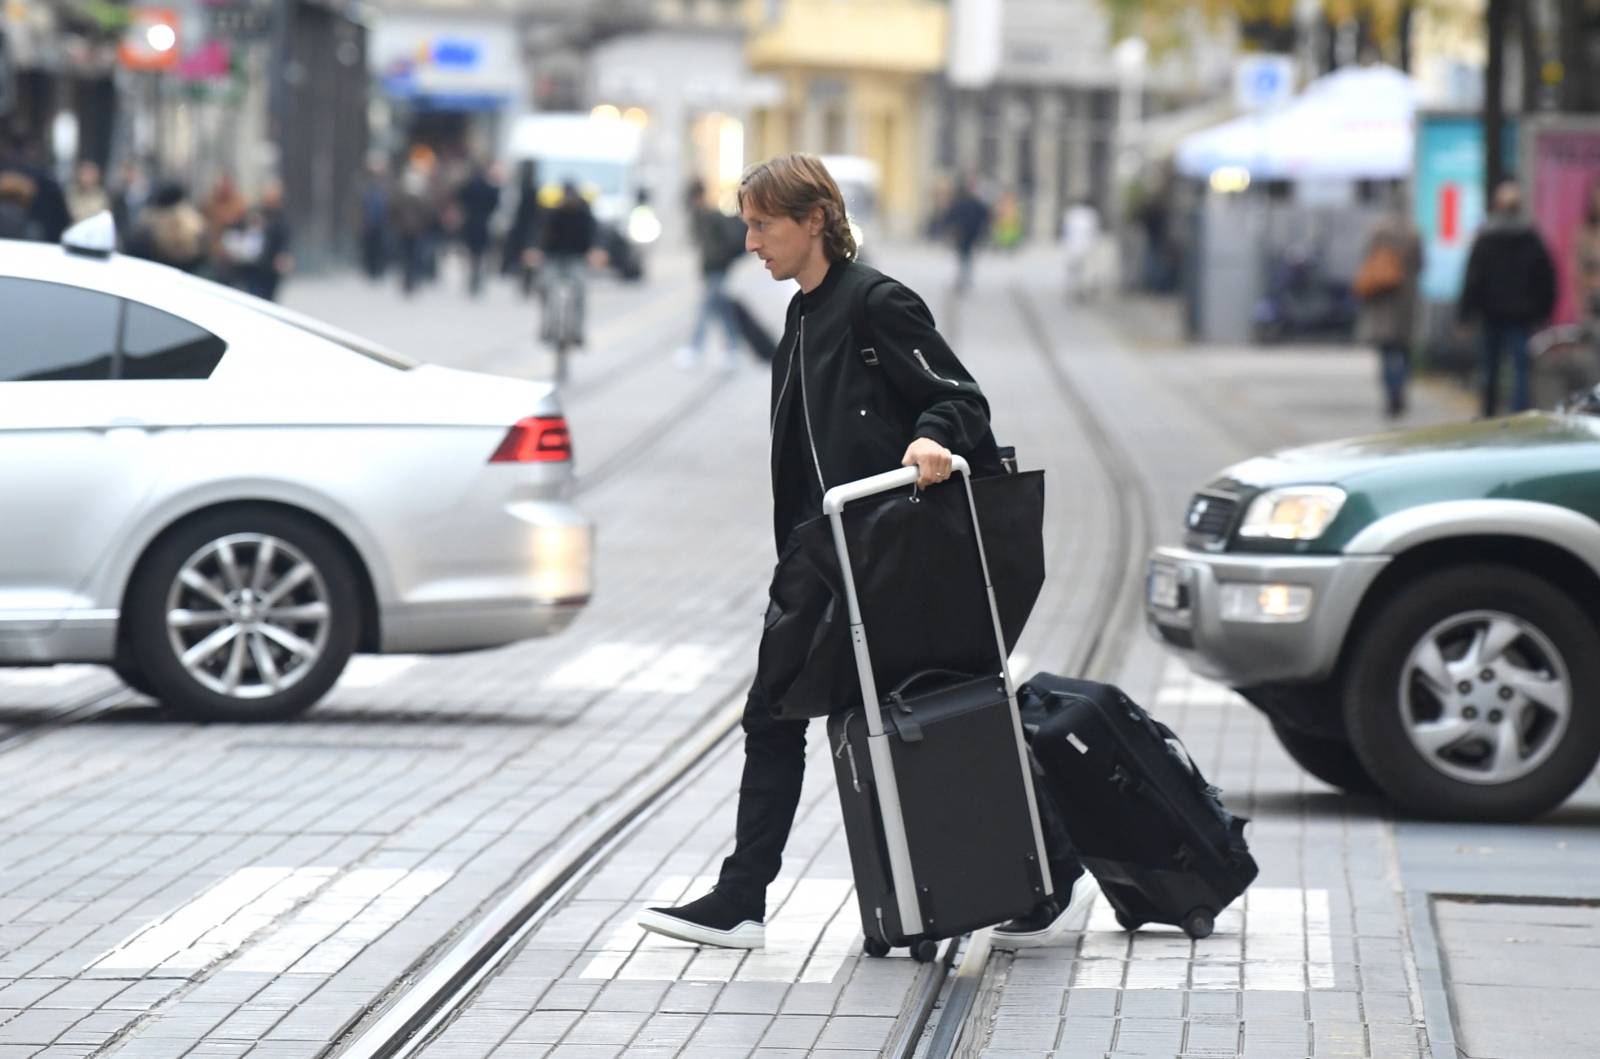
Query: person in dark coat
927, 408
48, 215
266, 274
567, 245
1510, 287
967, 224
718, 243
521, 245
478, 198
375, 221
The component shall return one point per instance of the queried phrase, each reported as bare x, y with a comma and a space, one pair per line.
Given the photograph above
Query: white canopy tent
1353, 124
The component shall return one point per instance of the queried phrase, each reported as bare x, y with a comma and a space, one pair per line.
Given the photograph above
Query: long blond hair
793, 185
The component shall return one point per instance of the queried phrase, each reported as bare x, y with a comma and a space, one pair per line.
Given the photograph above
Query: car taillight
536, 439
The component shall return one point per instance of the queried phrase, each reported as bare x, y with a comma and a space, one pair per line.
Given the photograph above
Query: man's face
782, 243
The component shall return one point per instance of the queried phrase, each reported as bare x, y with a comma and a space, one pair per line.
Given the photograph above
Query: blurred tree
1381, 27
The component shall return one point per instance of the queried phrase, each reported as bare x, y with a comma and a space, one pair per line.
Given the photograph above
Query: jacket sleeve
1543, 279
923, 370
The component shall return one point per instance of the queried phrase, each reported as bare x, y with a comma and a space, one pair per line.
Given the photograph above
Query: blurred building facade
856, 79
254, 90
1040, 102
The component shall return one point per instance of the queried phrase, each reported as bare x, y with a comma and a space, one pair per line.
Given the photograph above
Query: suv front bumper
1184, 609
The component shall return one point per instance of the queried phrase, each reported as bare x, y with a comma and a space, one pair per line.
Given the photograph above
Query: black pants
769, 794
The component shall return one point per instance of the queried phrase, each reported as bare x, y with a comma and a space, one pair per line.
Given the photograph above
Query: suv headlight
1297, 513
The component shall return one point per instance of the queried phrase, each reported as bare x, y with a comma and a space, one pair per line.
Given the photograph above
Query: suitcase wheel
925, 951
874, 947
1199, 923
1127, 922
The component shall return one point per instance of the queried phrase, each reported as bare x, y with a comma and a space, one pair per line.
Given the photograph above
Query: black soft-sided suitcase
1141, 816
933, 782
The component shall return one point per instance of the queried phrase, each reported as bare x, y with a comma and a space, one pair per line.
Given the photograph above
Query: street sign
151, 40
1262, 81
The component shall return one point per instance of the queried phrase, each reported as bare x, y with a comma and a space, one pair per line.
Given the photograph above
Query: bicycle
561, 314
1564, 364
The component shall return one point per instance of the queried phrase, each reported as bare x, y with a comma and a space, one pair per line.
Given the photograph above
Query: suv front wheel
1472, 694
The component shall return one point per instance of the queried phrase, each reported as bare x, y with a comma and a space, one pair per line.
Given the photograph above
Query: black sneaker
1048, 920
712, 920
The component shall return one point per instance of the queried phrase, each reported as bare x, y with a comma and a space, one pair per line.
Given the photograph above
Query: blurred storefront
856, 79
57, 93
448, 81
689, 88
1043, 103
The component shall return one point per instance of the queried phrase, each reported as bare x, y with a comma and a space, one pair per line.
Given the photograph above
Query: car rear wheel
245, 614
1472, 695
1329, 760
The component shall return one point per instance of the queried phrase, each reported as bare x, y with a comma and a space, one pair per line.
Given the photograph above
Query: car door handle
125, 423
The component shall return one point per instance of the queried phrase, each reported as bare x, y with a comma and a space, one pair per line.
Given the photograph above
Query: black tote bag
919, 585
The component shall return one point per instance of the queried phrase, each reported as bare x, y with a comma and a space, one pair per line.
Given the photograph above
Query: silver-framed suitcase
933, 779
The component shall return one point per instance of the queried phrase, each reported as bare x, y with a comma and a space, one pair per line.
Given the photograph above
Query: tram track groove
950, 1034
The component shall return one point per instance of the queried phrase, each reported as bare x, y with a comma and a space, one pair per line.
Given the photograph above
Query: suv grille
1209, 518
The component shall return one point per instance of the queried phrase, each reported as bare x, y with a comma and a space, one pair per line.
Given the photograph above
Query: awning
1353, 124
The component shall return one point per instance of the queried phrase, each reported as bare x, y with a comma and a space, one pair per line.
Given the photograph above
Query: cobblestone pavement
169, 889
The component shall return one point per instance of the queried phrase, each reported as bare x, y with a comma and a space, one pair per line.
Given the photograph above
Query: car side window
55, 332
158, 345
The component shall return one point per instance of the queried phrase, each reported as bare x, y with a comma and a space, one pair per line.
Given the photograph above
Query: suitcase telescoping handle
833, 504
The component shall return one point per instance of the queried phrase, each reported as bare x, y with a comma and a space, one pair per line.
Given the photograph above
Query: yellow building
856, 79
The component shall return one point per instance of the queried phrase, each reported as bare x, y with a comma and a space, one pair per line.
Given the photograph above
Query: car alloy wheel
1485, 697
248, 615
1469, 693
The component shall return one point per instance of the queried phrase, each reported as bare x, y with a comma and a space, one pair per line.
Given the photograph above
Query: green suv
1417, 613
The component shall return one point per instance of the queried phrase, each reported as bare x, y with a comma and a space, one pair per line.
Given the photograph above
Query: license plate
1162, 588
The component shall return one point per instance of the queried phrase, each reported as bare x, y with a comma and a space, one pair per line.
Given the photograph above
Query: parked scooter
1302, 300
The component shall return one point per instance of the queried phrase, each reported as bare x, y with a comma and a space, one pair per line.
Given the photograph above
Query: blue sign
456, 53
1447, 199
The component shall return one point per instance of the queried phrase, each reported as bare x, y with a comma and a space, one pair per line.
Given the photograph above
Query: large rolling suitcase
1140, 815
934, 781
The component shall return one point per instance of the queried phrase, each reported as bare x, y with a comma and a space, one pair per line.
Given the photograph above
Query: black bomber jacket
846, 406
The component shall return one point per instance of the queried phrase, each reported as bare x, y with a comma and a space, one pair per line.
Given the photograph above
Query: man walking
720, 240
1511, 286
968, 222
927, 408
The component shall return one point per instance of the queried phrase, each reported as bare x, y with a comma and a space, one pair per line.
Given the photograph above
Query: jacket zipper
927, 368
788, 373
805, 405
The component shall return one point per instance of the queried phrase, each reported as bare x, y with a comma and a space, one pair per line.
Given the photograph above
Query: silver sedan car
223, 500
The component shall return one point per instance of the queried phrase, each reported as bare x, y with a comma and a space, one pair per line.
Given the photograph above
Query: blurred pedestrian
225, 208
478, 198
48, 208
375, 221
86, 195
1386, 284
47, 204
567, 246
170, 230
522, 238
263, 275
720, 242
1586, 251
927, 408
1007, 227
16, 206
968, 223
129, 198
1080, 242
412, 218
1510, 287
